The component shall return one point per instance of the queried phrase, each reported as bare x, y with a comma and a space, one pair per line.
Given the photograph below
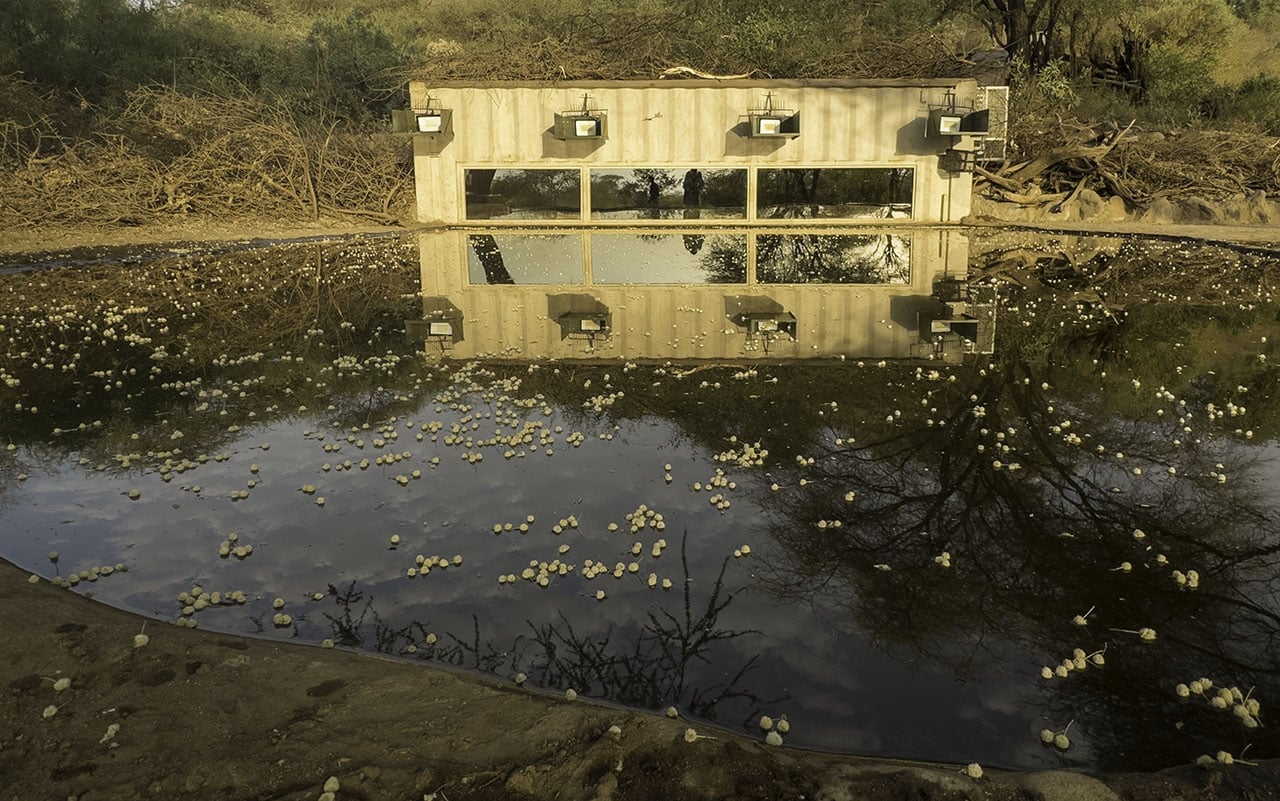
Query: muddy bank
51, 240
1081, 216
1247, 218
199, 715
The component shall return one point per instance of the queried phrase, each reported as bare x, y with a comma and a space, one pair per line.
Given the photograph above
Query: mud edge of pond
39, 244
195, 714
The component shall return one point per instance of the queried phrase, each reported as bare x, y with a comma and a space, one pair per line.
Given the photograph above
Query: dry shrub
168, 153
1202, 162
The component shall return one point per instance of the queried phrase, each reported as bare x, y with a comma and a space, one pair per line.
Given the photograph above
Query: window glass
668, 194
879, 192
833, 259
523, 194
692, 258
524, 259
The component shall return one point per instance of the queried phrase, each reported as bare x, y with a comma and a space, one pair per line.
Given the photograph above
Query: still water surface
888, 554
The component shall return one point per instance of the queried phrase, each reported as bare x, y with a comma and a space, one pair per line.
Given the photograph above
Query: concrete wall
687, 124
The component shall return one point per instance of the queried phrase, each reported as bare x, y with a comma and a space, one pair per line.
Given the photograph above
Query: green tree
33, 38
352, 61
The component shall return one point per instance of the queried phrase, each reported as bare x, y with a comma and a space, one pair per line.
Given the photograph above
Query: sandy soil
200, 715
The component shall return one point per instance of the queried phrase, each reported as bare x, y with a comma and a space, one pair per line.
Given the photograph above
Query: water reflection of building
742, 294
696, 219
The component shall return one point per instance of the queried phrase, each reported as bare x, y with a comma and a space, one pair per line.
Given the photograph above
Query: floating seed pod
773, 738
766, 722
973, 770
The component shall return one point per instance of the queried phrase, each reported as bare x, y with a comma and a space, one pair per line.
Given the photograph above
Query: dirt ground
200, 715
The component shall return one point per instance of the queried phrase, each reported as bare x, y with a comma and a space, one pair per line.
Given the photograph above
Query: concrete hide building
696, 219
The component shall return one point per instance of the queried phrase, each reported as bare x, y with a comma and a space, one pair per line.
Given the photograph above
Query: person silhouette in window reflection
693, 184
655, 194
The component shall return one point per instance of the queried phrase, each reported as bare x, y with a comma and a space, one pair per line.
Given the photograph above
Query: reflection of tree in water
358, 625
1040, 538
822, 258
651, 668
490, 256
815, 259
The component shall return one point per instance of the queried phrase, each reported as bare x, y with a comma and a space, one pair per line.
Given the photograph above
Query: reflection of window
524, 259
876, 192
668, 194
833, 259
522, 194
692, 258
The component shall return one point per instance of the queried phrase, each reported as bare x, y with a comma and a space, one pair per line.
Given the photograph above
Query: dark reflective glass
833, 259
523, 194
668, 194
694, 258
843, 193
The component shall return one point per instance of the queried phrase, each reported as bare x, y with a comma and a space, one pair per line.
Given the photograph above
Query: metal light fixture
435, 121
771, 324
430, 120
771, 123
951, 119
580, 316
584, 123
592, 324
441, 323
948, 123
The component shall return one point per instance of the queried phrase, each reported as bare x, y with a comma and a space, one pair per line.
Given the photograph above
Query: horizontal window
692, 258
845, 193
523, 194
524, 259
668, 194
833, 259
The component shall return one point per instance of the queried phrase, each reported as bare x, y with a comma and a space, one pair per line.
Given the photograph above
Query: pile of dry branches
922, 54
169, 154
1137, 166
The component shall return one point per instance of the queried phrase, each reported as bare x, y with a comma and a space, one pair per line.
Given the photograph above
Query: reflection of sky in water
533, 259
827, 680
660, 258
